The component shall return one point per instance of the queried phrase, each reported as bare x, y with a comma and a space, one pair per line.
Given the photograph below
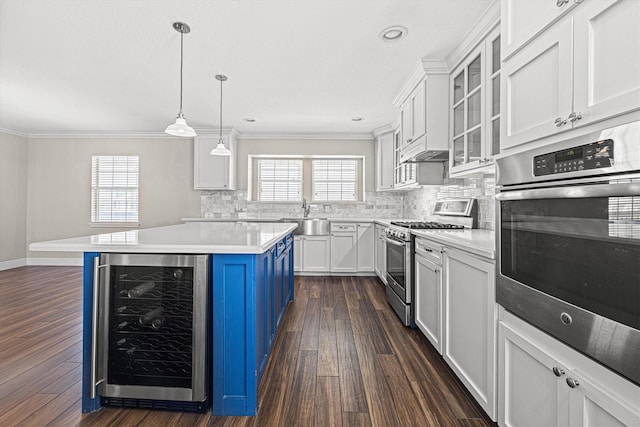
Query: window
114, 190
279, 180
335, 180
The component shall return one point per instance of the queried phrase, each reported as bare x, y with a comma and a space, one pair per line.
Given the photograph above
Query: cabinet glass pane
475, 144
495, 137
458, 87
474, 75
458, 151
495, 55
495, 95
473, 110
458, 119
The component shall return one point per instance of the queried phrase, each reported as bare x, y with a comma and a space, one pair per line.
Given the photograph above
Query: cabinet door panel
316, 254
530, 393
469, 330
429, 301
365, 248
607, 62
344, 255
523, 19
537, 88
298, 254
592, 406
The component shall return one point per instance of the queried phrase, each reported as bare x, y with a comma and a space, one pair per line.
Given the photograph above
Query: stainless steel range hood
429, 156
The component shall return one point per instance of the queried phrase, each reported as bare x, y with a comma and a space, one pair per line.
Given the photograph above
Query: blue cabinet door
264, 301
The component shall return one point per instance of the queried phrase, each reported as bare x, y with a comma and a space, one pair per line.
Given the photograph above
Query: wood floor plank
381, 407
328, 408
327, 345
352, 389
300, 408
342, 358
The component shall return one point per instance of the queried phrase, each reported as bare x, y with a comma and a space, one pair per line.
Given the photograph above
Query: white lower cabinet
380, 253
540, 388
365, 247
469, 330
344, 247
312, 254
428, 302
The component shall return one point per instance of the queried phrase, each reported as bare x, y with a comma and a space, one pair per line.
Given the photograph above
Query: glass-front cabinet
404, 173
475, 111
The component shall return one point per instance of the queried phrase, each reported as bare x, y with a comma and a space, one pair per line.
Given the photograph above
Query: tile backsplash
413, 204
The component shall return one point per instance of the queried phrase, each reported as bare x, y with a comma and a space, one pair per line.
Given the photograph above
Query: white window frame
288, 176
336, 175
129, 177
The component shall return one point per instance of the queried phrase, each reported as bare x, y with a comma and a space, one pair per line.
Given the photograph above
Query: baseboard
14, 263
70, 262
328, 273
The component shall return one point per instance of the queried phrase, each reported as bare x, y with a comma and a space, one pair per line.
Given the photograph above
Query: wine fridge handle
94, 324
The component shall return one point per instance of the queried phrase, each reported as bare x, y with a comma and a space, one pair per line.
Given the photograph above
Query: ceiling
296, 66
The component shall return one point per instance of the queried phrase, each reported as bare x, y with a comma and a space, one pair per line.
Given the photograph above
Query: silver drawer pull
428, 250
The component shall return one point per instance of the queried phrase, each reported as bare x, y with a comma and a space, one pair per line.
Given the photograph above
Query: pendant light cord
220, 110
181, 60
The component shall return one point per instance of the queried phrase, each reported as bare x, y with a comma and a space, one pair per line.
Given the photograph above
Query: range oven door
398, 273
569, 263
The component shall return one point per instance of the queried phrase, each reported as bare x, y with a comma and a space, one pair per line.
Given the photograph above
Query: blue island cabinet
250, 296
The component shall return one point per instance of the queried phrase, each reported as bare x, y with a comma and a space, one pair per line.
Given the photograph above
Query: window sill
114, 224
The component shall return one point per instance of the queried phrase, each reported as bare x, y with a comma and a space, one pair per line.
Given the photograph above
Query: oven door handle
582, 191
393, 242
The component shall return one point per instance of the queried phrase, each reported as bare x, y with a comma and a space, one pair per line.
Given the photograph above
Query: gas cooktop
426, 225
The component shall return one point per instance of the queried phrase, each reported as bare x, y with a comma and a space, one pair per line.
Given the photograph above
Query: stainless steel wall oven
152, 330
568, 232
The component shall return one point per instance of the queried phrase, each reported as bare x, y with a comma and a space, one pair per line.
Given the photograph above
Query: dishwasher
429, 294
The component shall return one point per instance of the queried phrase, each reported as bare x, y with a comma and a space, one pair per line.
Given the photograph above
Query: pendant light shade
221, 149
180, 127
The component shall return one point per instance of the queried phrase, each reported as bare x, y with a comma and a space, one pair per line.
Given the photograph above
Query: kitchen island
251, 281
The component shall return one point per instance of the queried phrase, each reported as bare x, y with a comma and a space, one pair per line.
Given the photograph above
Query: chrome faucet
305, 208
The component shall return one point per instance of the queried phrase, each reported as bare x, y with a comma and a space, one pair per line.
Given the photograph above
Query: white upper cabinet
524, 19
583, 69
413, 115
384, 161
475, 107
213, 172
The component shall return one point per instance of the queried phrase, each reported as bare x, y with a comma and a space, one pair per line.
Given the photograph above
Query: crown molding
382, 129
306, 136
489, 19
98, 135
422, 69
15, 132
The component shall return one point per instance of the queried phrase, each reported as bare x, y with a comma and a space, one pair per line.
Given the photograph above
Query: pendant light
180, 127
221, 149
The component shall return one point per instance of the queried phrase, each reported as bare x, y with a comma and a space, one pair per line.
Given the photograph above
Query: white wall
307, 147
59, 190
13, 200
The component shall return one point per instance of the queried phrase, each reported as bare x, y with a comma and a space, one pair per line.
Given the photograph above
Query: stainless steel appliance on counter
151, 331
568, 236
455, 214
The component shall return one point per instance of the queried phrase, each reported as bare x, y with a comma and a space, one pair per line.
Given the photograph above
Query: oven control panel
589, 156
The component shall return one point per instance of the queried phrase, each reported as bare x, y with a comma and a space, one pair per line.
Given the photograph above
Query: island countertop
188, 238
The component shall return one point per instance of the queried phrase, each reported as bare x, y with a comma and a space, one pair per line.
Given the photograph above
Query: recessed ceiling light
357, 119
249, 119
392, 34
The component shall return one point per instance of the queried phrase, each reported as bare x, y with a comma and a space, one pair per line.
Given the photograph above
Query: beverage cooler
152, 331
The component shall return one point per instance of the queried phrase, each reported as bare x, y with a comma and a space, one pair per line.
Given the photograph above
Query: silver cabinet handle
572, 382
558, 372
409, 140
94, 325
573, 117
561, 3
427, 250
560, 122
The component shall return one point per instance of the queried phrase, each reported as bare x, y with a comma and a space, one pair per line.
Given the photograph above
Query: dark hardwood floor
342, 359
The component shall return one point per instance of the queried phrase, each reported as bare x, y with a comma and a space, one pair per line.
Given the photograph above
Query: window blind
279, 180
335, 180
114, 189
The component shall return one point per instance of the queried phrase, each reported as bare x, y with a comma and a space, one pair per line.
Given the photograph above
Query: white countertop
480, 242
384, 220
189, 238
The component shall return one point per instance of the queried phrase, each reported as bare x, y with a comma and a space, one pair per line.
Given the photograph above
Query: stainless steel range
454, 213
568, 232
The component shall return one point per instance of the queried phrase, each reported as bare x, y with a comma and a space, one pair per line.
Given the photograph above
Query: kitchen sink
310, 226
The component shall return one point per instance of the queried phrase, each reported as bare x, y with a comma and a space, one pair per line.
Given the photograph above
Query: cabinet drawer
343, 227
429, 250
